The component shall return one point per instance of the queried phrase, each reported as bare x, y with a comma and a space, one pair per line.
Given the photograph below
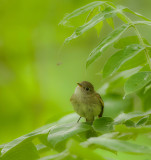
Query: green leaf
109, 40
98, 27
61, 132
145, 68
122, 17
108, 3
26, 138
82, 152
142, 121
123, 42
81, 10
137, 81
41, 147
124, 117
1, 147
110, 22
118, 145
149, 120
94, 12
142, 22
107, 13
13, 144
103, 124
136, 130
24, 151
147, 88
137, 14
145, 96
129, 123
125, 136
118, 135
138, 60
58, 156
119, 58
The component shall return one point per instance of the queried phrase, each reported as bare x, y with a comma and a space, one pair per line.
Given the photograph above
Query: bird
87, 102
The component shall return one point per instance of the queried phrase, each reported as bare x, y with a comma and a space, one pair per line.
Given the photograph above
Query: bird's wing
102, 105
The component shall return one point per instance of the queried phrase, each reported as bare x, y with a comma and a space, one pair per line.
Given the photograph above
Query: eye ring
87, 88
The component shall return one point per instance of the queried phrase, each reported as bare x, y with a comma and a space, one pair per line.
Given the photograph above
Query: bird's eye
87, 88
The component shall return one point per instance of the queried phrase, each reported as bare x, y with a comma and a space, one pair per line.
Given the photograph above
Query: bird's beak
79, 85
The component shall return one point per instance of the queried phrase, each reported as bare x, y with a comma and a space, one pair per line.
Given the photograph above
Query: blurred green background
37, 76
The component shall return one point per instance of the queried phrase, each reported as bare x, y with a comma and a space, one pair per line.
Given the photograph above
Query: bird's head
84, 88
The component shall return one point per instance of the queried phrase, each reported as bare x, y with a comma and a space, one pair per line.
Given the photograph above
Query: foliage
129, 66
129, 46
105, 133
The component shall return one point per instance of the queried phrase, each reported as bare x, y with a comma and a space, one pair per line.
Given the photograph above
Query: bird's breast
86, 106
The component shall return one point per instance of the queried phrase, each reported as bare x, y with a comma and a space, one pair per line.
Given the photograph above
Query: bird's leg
90, 120
78, 120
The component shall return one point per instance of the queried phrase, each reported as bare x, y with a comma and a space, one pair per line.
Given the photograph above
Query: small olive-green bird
86, 102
